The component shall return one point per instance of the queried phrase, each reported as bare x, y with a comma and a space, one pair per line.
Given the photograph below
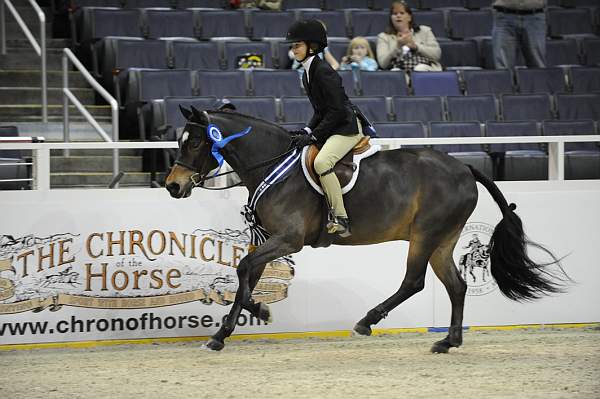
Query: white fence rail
556, 150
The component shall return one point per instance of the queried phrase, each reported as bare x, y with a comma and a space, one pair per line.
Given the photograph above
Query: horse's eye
195, 144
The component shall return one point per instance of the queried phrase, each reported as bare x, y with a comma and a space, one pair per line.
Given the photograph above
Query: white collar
306, 64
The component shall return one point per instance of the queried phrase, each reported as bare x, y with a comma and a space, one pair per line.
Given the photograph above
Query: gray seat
440, 3
270, 23
562, 52
236, 50
470, 23
569, 21
293, 4
591, 51
194, 55
516, 107
167, 117
101, 22
222, 83
201, 3
148, 3
487, 81
169, 23
401, 130
585, 80
472, 108
368, 23
434, 19
541, 80
374, 108
221, 23
335, 21
418, 109
517, 161
277, 83
386, 83
296, 109
259, 107
345, 4
349, 82
460, 53
578, 106
444, 83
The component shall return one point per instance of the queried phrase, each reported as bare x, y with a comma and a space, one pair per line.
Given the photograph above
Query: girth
345, 166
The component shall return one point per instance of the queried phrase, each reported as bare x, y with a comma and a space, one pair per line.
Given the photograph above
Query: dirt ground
549, 364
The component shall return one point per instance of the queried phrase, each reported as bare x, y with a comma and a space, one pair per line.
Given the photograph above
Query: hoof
264, 313
442, 346
214, 345
362, 330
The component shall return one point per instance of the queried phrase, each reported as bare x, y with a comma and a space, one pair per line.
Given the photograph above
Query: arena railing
40, 48
68, 95
556, 150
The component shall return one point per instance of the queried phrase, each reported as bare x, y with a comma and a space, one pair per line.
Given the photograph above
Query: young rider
335, 123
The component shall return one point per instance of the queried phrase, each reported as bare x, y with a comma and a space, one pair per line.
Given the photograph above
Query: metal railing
556, 146
40, 48
69, 96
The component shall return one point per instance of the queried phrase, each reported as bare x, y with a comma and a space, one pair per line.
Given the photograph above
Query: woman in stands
359, 56
335, 123
406, 46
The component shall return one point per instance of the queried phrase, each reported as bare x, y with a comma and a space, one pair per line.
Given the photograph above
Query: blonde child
359, 56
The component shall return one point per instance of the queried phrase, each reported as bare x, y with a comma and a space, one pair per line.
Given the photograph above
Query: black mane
252, 118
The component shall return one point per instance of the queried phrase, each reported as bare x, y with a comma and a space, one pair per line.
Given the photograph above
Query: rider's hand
301, 139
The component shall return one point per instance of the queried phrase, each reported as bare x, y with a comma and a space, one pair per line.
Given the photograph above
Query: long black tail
518, 277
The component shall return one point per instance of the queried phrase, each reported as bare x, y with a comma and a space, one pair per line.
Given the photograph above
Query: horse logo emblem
473, 258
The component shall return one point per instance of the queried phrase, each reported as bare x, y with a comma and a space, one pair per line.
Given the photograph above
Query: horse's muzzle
175, 190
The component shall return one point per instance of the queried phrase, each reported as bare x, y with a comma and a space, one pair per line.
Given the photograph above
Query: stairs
20, 105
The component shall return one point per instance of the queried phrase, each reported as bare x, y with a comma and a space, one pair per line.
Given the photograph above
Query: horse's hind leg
445, 269
414, 281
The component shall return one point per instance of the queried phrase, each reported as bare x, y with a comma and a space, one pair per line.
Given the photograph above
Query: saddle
346, 169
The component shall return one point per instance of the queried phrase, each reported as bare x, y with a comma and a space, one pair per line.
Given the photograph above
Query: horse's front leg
275, 247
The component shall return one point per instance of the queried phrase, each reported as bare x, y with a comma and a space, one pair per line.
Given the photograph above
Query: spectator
359, 56
405, 45
262, 4
519, 24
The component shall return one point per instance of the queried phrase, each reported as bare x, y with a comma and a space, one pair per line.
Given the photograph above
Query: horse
417, 195
478, 256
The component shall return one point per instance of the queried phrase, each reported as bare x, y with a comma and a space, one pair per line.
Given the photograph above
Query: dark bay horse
419, 195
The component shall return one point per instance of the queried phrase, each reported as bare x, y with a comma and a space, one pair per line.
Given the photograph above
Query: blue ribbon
215, 135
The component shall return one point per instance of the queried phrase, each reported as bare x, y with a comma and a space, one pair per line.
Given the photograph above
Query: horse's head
194, 160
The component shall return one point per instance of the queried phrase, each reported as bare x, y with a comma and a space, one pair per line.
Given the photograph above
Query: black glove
300, 139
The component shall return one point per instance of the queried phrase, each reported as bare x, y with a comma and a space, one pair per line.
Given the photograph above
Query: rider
335, 122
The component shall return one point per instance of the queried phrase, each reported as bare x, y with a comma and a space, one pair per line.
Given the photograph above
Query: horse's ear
185, 112
198, 115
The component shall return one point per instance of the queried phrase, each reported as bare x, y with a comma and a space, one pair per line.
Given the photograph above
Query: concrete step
132, 179
32, 78
95, 164
50, 43
14, 31
32, 95
33, 113
27, 13
26, 58
53, 131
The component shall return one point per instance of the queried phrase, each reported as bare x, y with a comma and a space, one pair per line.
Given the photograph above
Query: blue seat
472, 108
335, 21
349, 82
488, 81
582, 160
401, 130
166, 116
270, 23
147, 3
470, 23
585, 80
374, 108
233, 50
383, 83
283, 59
518, 107
169, 23
562, 52
338, 47
568, 21
517, 161
276, 83
222, 83
578, 106
293, 4
591, 51
194, 55
477, 4
443, 83
345, 4
101, 22
541, 80
75, 4
434, 19
487, 54
418, 109
201, 3
460, 53
368, 23
296, 109
259, 107
385, 4
427, 4
222, 24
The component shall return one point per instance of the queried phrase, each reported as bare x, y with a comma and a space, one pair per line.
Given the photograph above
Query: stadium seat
270, 23
166, 116
569, 21
585, 80
296, 109
335, 21
582, 160
259, 107
368, 23
488, 81
283, 59
578, 106
562, 52
75, 4
221, 24
591, 51
443, 83
293, 4
517, 161
234, 49
518, 107
345, 4
472, 108
383, 83
487, 54
464, 23
418, 109
338, 47
194, 55
478, 4
374, 108
541, 80
434, 19
277, 83
460, 53
201, 3
385, 4
401, 130
101, 22
349, 82
222, 83
427, 4
169, 23
148, 3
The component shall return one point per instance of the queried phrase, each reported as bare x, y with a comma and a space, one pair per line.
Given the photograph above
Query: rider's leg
333, 150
